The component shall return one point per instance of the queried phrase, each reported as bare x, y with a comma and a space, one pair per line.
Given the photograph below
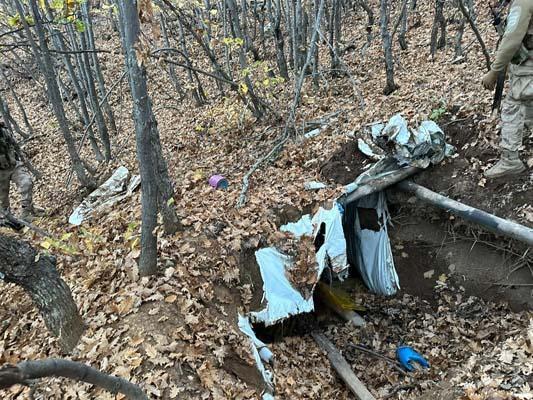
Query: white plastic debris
302, 227
259, 350
119, 186
364, 148
333, 252
313, 133
314, 185
282, 300
418, 147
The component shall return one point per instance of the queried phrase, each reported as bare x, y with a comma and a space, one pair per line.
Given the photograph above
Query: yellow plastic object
338, 298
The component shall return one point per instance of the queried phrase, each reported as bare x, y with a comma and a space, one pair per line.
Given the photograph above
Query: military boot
509, 164
31, 212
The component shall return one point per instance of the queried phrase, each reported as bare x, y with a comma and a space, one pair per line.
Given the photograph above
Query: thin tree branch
27, 370
476, 32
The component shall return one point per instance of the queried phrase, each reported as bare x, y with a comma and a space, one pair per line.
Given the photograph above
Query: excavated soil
345, 164
460, 177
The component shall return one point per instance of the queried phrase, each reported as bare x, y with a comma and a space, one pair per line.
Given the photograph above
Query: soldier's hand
489, 80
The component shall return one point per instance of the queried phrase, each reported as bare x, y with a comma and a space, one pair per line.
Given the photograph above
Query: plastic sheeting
119, 186
369, 247
260, 352
418, 147
302, 227
333, 252
282, 300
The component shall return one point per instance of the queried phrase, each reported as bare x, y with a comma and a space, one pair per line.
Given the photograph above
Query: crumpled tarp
119, 186
417, 147
395, 145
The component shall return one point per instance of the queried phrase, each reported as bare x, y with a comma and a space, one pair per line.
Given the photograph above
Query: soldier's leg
529, 115
514, 109
22, 178
5, 179
513, 123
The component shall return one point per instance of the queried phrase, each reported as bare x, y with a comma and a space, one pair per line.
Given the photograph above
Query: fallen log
342, 367
379, 184
490, 222
26, 371
37, 274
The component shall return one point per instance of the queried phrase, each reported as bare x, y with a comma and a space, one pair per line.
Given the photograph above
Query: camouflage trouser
22, 178
517, 107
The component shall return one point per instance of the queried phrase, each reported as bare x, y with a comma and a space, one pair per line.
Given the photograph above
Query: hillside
176, 334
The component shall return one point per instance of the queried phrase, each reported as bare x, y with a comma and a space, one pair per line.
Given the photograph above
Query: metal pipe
490, 222
379, 184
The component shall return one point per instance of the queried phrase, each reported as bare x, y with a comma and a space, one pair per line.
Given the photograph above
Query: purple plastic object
218, 182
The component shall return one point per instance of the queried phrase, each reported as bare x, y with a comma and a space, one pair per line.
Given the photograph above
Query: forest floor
176, 334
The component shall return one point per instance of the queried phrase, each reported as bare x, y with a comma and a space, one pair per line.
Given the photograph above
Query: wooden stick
342, 367
392, 362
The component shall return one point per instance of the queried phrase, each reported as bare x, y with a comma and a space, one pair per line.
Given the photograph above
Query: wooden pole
342, 367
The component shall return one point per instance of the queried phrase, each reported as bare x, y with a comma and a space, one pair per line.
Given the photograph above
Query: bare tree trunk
198, 93
257, 109
275, 21
59, 42
9, 120
403, 25
439, 23
19, 103
47, 67
93, 97
29, 370
37, 275
156, 188
143, 117
471, 20
171, 70
370, 24
387, 47
99, 76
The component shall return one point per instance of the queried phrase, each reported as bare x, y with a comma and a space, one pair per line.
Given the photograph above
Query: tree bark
98, 70
37, 275
387, 47
157, 190
439, 23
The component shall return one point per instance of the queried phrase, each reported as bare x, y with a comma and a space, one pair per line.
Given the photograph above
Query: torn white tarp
259, 350
282, 300
333, 252
302, 227
119, 186
327, 224
418, 147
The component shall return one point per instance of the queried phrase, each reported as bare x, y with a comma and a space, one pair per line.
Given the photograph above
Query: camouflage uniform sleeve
517, 25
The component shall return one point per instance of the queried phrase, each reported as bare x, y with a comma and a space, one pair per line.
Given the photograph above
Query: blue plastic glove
406, 355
